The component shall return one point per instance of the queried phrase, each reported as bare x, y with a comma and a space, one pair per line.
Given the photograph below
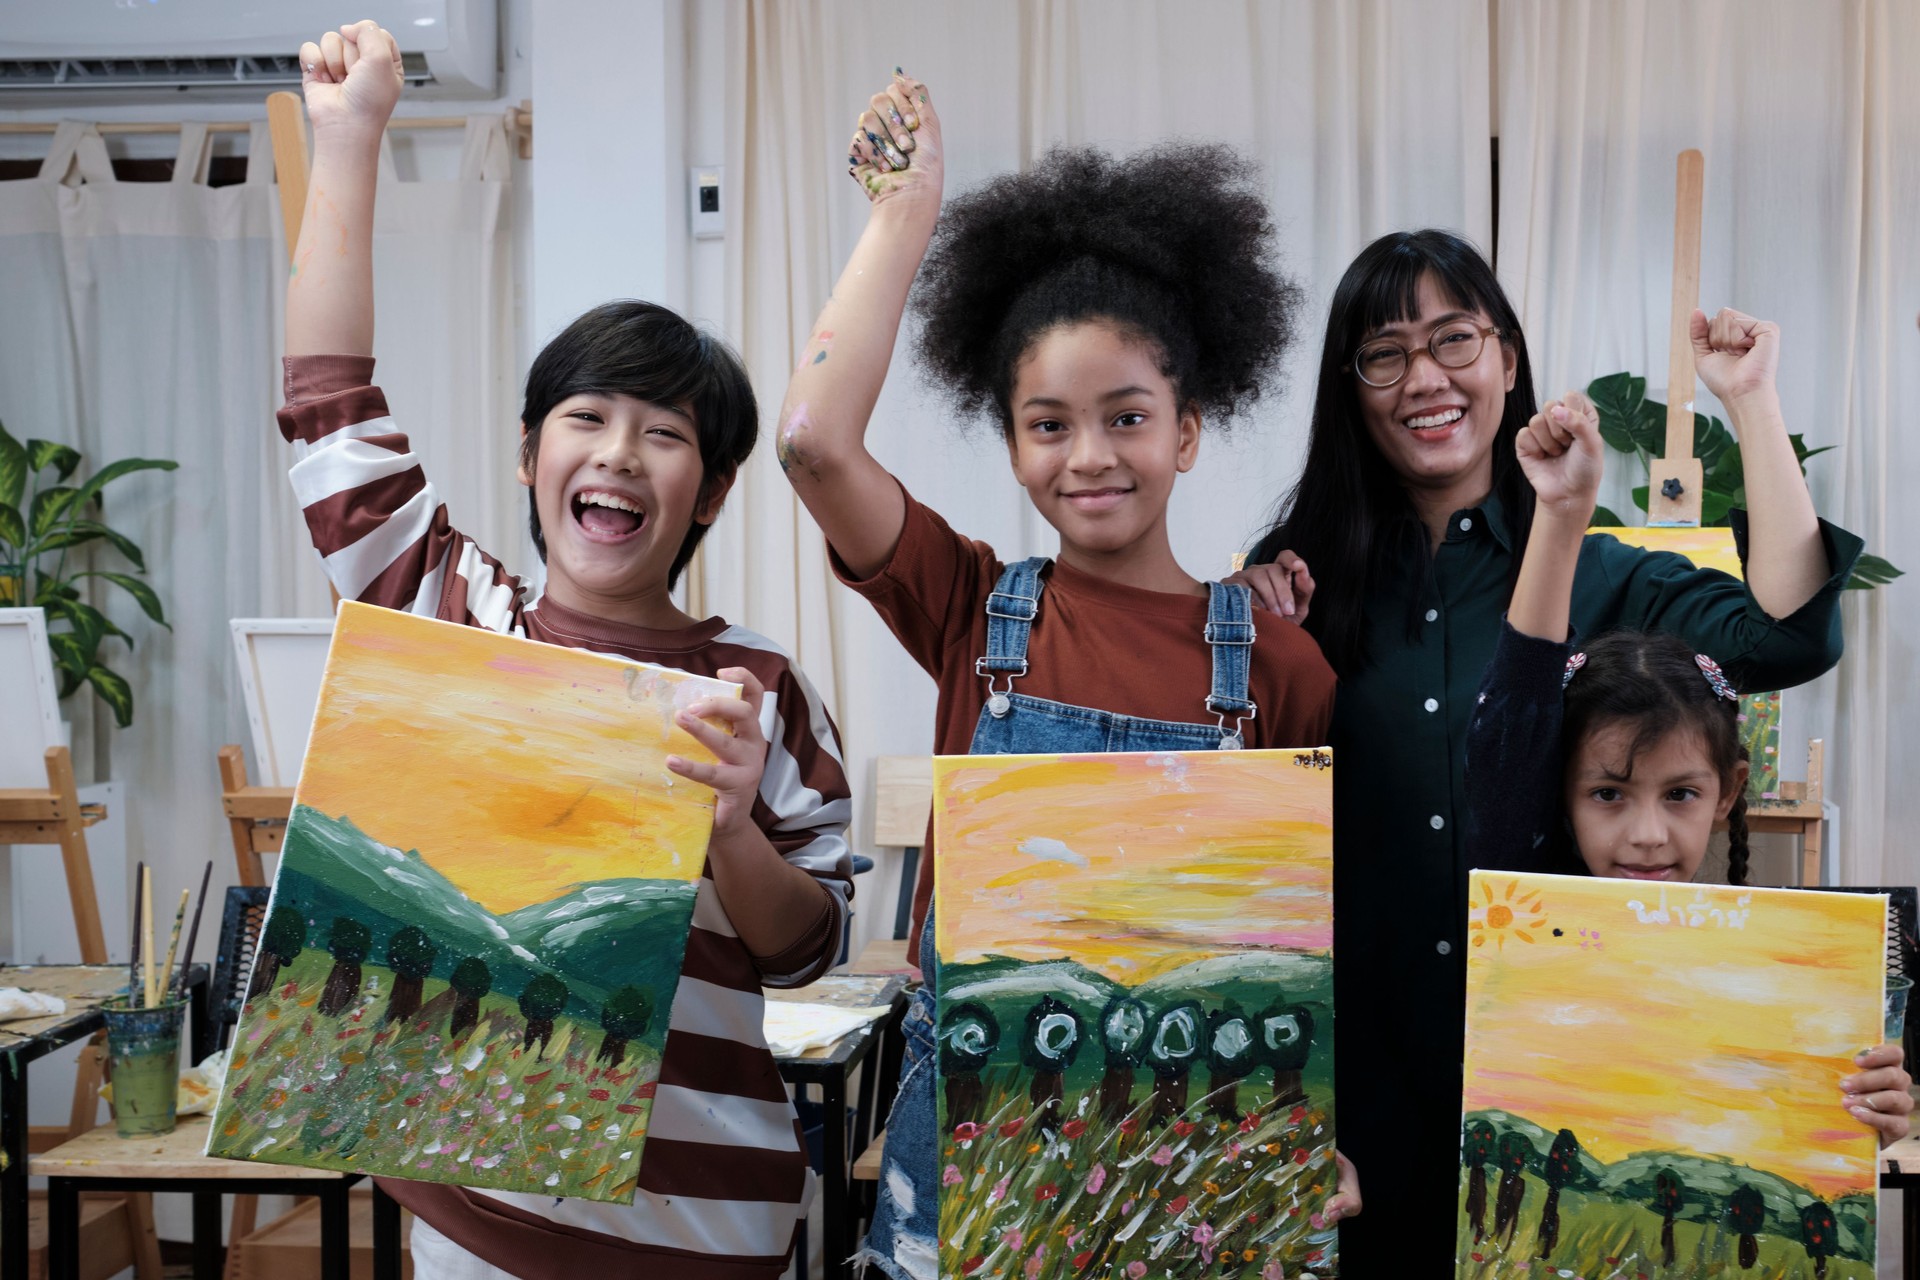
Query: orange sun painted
1505, 915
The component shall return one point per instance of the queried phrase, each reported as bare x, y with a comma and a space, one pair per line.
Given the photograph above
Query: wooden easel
1675, 479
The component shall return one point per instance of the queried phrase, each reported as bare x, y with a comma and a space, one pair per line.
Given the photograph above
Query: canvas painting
1135, 1015
1708, 548
1652, 1080
478, 918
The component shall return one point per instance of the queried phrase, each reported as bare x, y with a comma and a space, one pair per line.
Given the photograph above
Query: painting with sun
1652, 1080
478, 919
1136, 1005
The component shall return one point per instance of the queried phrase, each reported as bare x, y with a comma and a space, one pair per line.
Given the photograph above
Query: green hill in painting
598, 937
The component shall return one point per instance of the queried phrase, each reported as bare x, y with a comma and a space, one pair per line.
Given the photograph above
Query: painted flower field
318, 1090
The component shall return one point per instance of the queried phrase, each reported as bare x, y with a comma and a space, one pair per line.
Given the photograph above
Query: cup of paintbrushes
143, 1060
1898, 988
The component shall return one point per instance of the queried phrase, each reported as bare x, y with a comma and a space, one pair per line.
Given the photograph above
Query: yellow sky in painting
1707, 548
516, 769
1132, 864
1648, 1035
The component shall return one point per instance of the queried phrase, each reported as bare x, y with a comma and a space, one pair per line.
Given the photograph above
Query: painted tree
410, 954
470, 980
1123, 1034
1476, 1148
1052, 1043
1820, 1235
1747, 1217
1170, 1055
350, 941
284, 938
1668, 1197
1561, 1167
627, 1013
1513, 1153
968, 1036
1231, 1054
1286, 1041
541, 1001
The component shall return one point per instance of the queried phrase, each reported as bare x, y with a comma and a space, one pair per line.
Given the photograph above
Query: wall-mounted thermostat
703, 201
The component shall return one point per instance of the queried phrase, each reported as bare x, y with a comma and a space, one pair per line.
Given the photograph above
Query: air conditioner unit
55, 51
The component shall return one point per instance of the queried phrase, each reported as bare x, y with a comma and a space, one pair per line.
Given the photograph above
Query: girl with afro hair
1102, 314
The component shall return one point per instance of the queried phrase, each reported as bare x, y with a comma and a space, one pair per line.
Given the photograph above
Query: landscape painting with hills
478, 918
1135, 1014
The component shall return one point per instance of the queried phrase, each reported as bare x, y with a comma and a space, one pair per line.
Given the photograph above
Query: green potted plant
42, 519
1637, 427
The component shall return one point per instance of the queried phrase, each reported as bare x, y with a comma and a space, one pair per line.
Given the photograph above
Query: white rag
16, 1004
793, 1028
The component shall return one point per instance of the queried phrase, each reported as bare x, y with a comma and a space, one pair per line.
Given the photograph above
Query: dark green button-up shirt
1400, 851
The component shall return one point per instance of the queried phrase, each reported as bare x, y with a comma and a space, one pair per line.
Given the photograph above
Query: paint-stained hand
351, 77
1879, 1094
1345, 1200
1735, 354
896, 154
1283, 587
1561, 454
739, 758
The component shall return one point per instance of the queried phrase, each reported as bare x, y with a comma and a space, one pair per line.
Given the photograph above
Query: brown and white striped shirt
724, 1179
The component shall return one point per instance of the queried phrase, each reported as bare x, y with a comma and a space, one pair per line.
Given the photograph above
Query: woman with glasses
1412, 512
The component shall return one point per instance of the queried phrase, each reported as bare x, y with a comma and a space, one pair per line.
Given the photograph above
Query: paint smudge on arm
815, 352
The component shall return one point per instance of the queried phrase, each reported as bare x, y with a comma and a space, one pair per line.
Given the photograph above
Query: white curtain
1364, 118
1809, 120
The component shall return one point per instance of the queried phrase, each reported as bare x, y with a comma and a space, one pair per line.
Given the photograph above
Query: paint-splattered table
831, 1068
22, 1042
1900, 1171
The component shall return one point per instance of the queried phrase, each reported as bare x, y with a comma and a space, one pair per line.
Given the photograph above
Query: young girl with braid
1613, 757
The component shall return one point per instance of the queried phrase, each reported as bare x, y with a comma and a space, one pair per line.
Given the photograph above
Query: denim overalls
900, 1241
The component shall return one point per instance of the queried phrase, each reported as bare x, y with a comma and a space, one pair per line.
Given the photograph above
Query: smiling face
1097, 440
1646, 816
617, 482
1436, 426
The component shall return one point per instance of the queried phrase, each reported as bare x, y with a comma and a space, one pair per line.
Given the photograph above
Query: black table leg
63, 1230
386, 1236
833, 1206
13, 1176
206, 1235
335, 1246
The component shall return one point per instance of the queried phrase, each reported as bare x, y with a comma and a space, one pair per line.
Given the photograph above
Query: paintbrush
193, 931
133, 947
146, 942
165, 979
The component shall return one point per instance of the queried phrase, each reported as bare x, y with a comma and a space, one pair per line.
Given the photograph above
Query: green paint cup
1897, 991
143, 1057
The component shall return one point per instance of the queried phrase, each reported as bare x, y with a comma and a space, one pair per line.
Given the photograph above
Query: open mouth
1433, 426
607, 517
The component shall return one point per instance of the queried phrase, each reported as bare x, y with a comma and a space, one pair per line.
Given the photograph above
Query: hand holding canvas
1877, 1095
762, 893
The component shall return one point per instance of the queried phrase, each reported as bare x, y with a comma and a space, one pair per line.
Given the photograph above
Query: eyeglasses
1452, 346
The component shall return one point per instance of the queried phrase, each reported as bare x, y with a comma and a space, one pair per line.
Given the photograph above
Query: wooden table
83, 987
102, 1160
830, 1068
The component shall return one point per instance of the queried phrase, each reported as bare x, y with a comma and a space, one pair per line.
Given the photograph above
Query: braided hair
1172, 246
1657, 684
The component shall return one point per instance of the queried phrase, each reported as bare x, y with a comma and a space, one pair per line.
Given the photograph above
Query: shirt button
1432, 614
1436, 822
1444, 947
1433, 704
1466, 523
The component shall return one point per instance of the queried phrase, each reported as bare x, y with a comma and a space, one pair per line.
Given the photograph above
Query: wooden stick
287, 126
193, 933
133, 946
519, 120
1679, 464
146, 913
173, 947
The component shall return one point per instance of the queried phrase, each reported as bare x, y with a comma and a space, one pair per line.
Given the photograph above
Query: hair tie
1574, 663
1715, 677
